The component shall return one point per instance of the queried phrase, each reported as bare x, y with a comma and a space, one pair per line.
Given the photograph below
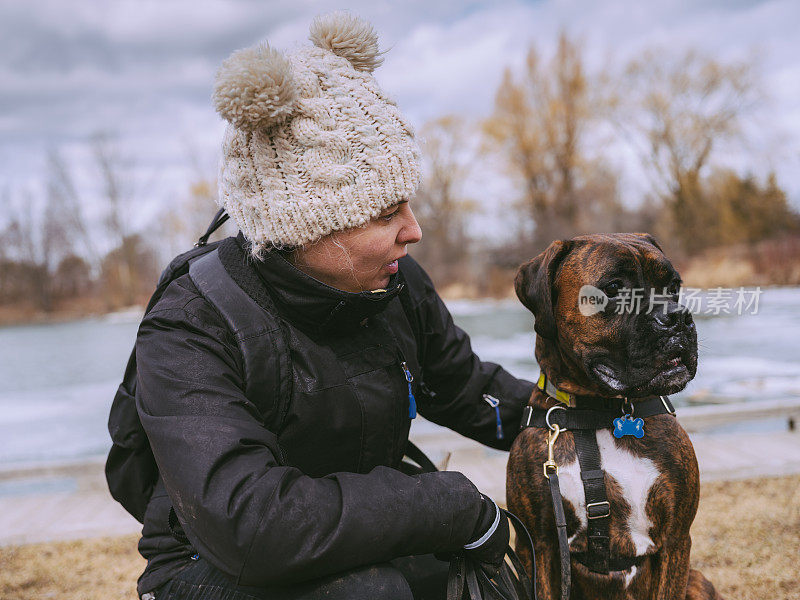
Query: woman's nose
411, 232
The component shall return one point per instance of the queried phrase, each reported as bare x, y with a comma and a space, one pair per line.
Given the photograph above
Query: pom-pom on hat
312, 145
255, 88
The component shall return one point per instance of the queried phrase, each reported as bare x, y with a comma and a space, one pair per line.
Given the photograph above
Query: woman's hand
491, 535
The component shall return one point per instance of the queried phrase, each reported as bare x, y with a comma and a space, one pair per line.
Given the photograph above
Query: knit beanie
312, 144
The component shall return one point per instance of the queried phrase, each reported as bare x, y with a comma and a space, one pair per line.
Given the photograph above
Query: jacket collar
312, 304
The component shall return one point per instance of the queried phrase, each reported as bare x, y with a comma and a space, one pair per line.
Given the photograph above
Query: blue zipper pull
412, 402
495, 404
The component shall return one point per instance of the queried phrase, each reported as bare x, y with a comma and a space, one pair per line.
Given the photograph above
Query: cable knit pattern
333, 157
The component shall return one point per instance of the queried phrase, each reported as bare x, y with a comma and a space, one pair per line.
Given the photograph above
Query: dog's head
606, 309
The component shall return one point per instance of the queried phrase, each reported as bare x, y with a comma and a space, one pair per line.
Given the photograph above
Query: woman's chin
379, 283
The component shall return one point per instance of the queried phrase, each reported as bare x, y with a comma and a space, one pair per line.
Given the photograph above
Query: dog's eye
612, 289
674, 288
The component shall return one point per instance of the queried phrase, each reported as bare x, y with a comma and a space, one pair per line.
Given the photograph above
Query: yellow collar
551, 390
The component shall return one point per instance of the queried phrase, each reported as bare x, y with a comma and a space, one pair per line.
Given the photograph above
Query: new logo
591, 300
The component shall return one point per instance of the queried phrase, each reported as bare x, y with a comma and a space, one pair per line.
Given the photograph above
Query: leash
551, 474
570, 415
467, 578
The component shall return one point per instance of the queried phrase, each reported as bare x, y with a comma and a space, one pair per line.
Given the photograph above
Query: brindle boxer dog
652, 483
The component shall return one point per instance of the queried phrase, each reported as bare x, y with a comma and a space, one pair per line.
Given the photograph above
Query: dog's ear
534, 285
649, 238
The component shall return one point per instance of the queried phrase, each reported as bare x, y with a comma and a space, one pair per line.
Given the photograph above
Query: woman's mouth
391, 267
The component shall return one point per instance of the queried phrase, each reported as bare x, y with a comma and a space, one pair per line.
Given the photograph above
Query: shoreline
11, 316
10, 319
439, 440
57, 466
67, 500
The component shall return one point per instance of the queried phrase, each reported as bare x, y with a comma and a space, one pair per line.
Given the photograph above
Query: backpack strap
241, 313
217, 222
251, 324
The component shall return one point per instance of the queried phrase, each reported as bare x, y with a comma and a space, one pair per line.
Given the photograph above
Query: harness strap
598, 509
572, 419
615, 563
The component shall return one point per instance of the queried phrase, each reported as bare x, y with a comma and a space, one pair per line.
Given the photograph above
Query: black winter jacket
322, 493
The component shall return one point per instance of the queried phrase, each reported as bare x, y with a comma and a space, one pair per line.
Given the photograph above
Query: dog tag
626, 425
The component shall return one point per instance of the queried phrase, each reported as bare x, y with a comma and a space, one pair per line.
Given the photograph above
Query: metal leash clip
550, 465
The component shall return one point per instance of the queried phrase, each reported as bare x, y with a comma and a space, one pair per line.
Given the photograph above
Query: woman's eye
389, 217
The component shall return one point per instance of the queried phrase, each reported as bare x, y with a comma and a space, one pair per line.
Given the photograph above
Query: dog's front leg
673, 570
700, 588
548, 572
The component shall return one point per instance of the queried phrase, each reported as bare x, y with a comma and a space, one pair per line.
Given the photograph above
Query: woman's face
361, 258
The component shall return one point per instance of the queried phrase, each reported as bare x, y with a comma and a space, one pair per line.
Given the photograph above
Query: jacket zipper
412, 402
495, 404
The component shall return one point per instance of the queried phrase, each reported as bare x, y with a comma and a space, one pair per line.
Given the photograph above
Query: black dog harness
583, 416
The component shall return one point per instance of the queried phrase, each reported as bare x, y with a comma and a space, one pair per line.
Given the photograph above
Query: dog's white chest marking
634, 474
569, 479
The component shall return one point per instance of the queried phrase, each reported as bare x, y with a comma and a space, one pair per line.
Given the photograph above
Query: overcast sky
144, 69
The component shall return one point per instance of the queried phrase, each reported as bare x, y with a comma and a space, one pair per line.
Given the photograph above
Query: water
57, 385
58, 380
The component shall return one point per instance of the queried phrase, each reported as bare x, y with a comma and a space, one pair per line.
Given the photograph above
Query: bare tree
183, 223
116, 190
120, 265
186, 219
540, 124
64, 200
442, 206
26, 235
677, 112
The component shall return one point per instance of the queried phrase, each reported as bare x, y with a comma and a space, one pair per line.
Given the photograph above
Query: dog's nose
674, 317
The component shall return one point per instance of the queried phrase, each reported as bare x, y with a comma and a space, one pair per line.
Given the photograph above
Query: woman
286, 480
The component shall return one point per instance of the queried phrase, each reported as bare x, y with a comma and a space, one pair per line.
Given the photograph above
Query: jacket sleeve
457, 379
255, 519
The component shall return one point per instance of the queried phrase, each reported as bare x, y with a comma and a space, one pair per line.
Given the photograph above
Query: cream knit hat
312, 144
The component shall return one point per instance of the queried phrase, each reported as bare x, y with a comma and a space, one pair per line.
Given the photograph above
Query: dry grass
746, 541
746, 538
105, 568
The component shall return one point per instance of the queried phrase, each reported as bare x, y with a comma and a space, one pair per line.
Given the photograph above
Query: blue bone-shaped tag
628, 426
